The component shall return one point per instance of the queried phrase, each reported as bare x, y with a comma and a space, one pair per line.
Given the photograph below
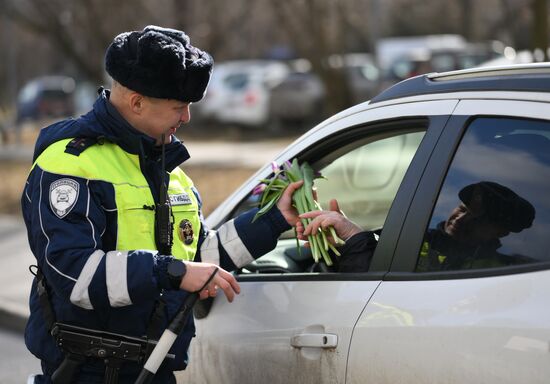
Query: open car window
363, 174
365, 179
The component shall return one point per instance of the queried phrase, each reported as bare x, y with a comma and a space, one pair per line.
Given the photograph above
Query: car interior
364, 176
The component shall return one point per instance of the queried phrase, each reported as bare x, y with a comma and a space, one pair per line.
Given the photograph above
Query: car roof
526, 78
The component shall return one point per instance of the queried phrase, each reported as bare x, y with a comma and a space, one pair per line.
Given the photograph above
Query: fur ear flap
159, 62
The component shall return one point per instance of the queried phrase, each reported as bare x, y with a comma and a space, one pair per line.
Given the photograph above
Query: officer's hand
344, 227
198, 274
285, 203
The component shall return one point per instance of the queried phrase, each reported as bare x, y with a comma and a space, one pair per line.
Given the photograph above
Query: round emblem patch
63, 195
185, 231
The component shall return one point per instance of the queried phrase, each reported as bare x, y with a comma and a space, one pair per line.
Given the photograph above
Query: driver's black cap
500, 204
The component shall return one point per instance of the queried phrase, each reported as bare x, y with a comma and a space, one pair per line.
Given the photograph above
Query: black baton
169, 336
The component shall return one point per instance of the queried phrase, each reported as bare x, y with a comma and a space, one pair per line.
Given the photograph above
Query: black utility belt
80, 344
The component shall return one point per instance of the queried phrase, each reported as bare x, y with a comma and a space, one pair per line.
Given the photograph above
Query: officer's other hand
285, 203
198, 274
344, 227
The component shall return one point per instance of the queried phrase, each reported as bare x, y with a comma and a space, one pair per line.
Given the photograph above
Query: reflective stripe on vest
135, 223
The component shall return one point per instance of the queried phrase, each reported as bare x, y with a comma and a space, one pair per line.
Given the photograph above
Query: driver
469, 238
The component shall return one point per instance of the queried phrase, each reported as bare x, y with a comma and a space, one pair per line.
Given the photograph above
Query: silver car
476, 142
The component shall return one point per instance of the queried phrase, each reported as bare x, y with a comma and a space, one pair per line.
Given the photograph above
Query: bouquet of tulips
303, 200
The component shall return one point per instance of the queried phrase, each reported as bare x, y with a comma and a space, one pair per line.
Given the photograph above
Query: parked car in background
399, 165
423, 60
511, 56
362, 74
239, 92
300, 98
388, 49
47, 96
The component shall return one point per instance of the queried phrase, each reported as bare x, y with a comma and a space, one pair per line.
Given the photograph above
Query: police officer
91, 207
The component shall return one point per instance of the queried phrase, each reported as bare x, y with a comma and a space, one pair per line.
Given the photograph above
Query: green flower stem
324, 238
298, 247
303, 200
325, 254
337, 239
268, 188
333, 249
314, 243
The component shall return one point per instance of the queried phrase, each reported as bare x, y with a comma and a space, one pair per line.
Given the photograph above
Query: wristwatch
176, 270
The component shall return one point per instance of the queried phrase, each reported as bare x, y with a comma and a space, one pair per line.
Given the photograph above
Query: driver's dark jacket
62, 246
356, 253
441, 252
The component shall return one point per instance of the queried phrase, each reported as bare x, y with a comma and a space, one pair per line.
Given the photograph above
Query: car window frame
423, 203
433, 126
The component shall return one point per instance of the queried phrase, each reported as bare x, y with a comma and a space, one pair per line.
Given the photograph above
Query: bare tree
80, 30
71, 36
318, 29
540, 26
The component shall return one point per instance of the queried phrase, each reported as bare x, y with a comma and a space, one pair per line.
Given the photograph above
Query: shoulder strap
79, 144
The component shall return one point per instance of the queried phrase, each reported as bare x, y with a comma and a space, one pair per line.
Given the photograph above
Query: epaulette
79, 144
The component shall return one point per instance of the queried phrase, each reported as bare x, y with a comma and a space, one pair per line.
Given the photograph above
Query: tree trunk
540, 26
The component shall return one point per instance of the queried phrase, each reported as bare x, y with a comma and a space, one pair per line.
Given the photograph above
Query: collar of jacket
119, 131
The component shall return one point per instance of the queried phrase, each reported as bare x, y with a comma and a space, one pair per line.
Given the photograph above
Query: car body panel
535, 110
480, 330
233, 335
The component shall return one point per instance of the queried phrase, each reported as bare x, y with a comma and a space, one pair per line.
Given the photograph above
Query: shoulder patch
63, 196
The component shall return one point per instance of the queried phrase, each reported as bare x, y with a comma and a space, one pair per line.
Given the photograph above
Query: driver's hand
344, 227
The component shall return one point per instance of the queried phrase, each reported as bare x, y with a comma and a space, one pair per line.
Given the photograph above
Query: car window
365, 180
493, 208
364, 175
236, 81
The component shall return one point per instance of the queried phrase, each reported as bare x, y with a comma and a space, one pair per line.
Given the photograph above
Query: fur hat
500, 204
159, 62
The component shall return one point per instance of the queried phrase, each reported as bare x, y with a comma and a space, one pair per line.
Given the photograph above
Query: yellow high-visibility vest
135, 218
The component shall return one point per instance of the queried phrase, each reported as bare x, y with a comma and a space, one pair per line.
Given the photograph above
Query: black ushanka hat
159, 62
500, 204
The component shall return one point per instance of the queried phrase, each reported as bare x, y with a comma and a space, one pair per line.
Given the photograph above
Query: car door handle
314, 340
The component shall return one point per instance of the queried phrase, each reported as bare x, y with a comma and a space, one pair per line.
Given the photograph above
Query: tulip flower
303, 200
259, 189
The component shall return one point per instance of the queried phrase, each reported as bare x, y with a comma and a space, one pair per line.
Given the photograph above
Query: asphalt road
16, 362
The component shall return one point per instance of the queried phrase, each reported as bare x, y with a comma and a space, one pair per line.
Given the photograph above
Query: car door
462, 305
293, 321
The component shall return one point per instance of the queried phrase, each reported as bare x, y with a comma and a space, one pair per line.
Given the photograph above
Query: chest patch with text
180, 199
